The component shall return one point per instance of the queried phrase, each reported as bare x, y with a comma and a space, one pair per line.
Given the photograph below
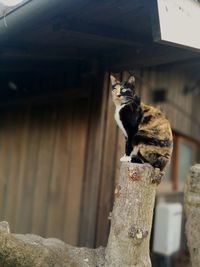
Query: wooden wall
59, 162
57, 159
42, 168
181, 109
50, 154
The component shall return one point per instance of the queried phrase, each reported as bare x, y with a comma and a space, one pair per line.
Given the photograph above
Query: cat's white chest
117, 118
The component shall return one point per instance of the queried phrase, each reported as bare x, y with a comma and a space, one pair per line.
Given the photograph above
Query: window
184, 155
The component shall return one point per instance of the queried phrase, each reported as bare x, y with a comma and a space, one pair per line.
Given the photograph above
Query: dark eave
117, 33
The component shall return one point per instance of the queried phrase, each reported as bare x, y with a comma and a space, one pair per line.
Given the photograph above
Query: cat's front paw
125, 159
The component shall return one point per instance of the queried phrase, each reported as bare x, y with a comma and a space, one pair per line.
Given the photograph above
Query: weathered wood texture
93, 164
192, 210
107, 170
41, 184
132, 217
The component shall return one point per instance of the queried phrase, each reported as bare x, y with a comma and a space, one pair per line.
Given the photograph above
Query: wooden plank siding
93, 163
107, 170
43, 151
59, 161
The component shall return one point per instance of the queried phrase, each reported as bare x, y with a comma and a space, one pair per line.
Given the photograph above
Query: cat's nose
118, 94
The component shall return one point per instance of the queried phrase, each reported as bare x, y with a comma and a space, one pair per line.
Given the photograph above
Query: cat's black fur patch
136, 159
146, 127
146, 119
130, 124
152, 141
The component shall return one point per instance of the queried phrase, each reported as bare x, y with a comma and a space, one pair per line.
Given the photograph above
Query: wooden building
59, 144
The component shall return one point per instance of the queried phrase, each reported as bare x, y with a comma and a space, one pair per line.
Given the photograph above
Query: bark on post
128, 243
192, 210
29, 250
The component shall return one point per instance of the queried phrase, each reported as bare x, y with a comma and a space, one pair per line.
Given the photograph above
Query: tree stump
192, 210
128, 243
132, 217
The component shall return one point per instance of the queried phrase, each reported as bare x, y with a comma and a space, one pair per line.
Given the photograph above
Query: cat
147, 132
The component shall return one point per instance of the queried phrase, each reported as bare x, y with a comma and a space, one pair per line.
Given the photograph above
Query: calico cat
147, 131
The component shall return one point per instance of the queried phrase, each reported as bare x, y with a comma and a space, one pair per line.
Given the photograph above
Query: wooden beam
151, 55
33, 51
104, 33
119, 59
23, 63
188, 63
42, 98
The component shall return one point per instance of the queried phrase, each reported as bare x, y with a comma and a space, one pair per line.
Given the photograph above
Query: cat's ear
113, 80
131, 80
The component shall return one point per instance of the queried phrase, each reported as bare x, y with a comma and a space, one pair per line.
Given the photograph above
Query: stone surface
192, 210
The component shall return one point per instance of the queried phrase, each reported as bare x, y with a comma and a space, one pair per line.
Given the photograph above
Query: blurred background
59, 144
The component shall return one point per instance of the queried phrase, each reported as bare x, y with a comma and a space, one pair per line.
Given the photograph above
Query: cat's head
123, 92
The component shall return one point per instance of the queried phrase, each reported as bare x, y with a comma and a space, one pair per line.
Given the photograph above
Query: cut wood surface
128, 243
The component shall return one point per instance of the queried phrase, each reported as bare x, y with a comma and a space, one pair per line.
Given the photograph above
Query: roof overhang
116, 33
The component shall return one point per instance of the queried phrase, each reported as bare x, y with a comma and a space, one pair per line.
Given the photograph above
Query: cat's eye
124, 90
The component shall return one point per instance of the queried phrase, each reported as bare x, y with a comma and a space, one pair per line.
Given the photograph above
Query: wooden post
192, 210
128, 243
